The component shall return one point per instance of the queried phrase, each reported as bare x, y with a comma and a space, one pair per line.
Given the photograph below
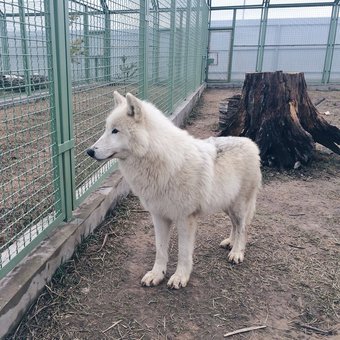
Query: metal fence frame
164, 73
265, 6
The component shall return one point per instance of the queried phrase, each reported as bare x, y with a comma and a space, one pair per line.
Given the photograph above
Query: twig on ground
54, 292
103, 244
244, 330
105, 240
41, 309
113, 325
294, 246
319, 101
315, 329
300, 214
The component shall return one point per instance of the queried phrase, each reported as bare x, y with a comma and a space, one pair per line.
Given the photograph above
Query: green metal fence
271, 35
60, 62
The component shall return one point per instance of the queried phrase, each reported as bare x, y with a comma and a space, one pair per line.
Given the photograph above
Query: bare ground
289, 281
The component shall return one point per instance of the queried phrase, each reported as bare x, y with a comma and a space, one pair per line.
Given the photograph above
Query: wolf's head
125, 131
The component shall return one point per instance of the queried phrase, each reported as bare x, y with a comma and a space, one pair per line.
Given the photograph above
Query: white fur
178, 177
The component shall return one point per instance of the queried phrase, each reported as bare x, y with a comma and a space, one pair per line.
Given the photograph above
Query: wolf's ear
134, 107
118, 98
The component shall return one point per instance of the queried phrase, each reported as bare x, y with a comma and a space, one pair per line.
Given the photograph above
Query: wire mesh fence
270, 35
29, 175
60, 62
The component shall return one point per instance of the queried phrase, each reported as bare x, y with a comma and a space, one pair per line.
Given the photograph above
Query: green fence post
187, 42
199, 43
107, 42
172, 55
86, 44
143, 49
62, 98
326, 73
231, 46
262, 36
24, 47
4, 44
196, 49
55, 137
155, 42
96, 66
205, 45
208, 41
179, 51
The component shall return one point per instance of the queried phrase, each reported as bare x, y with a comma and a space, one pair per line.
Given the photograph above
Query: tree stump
275, 111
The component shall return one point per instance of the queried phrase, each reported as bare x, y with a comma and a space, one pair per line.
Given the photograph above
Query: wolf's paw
227, 243
152, 278
236, 256
178, 280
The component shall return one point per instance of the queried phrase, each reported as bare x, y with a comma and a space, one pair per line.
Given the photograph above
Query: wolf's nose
90, 152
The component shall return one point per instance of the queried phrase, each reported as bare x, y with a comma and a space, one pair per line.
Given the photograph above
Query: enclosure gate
60, 62
220, 55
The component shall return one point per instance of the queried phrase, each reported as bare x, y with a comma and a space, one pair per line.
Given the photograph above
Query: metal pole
86, 44
4, 44
199, 42
107, 42
156, 41
208, 42
143, 49
187, 40
24, 48
59, 50
205, 28
55, 137
231, 46
179, 50
195, 79
326, 73
262, 36
172, 54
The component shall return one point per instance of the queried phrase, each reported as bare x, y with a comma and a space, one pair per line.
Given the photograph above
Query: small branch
315, 329
113, 325
54, 292
104, 242
244, 330
319, 101
294, 246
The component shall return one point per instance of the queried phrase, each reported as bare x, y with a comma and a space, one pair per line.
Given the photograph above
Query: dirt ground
289, 281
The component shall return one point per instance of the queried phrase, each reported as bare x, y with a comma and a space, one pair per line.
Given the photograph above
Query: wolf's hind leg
241, 214
186, 243
229, 242
238, 216
162, 235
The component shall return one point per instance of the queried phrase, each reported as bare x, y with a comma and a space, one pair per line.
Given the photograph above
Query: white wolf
177, 177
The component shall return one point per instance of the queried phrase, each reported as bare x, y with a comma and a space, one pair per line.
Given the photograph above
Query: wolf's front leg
162, 235
186, 243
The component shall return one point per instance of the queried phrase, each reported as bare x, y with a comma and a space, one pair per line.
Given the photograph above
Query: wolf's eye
115, 131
